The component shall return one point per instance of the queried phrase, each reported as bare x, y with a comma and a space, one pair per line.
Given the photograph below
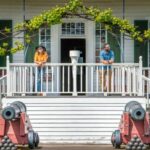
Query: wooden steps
75, 119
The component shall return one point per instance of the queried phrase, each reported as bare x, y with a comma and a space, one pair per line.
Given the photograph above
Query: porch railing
3, 87
67, 78
3, 78
146, 88
2, 71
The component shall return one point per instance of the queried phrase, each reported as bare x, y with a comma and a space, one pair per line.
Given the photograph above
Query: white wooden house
137, 12
74, 109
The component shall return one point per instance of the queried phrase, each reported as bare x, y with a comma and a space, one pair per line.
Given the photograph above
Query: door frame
79, 87
89, 37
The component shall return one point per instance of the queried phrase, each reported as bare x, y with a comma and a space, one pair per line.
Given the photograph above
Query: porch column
55, 55
140, 93
8, 77
74, 54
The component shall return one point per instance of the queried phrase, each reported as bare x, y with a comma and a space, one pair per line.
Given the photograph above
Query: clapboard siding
74, 120
13, 10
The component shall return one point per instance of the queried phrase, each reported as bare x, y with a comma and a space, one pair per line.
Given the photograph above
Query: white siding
75, 120
134, 10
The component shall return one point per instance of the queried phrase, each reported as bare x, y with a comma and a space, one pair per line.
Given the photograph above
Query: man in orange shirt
40, 58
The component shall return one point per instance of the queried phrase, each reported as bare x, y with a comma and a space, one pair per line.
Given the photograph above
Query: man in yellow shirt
40, 58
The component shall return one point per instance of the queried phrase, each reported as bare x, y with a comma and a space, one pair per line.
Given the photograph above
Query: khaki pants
105, 75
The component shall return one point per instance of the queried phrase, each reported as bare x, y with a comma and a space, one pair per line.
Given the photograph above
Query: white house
89, 117
82, 34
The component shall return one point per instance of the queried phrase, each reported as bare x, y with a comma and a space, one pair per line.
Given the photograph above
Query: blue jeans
40, 72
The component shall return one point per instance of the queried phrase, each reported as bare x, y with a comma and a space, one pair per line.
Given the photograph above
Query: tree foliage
74, 8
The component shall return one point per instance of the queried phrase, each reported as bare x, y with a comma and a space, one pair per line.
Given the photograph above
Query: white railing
73, 79
2, 71
3, 87
146, 88
146, 73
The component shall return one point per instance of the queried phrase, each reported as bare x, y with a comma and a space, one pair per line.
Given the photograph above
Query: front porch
75, 109
57, 79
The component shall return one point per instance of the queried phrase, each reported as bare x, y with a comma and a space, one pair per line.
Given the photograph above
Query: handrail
2, 68
88, 78
1, 78
78, 64
145, 78
146, 68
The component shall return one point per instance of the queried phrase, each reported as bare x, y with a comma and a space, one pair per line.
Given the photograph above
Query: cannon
135, 110
13, 111
15, 128
134, 128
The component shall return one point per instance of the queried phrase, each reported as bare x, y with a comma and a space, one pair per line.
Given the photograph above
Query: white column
55, 55
90, 50
90, 41
55, 44
8, 77
140, 93
74, 54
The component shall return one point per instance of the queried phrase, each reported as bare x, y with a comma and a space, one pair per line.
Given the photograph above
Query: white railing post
8, 77
74, 54
148, 93
140, 91
74, 71
123, 81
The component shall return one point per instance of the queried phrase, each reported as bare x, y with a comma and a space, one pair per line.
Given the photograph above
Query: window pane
43, 44
82, 25
73, 25
78, 25
48, 46
63, 31
48, 32
64, 25
98, 32
42, 32
68, 25
43, 39
72, 31
48, 38
73, 28
77, 31
82, 31
68, 31
100, 36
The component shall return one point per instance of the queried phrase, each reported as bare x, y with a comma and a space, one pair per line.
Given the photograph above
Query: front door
66, 46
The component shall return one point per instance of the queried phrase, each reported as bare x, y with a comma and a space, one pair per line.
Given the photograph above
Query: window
73, 28
45, 40
101, 39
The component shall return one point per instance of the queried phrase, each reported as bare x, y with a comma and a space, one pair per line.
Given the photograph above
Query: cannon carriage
16, 128
134, 128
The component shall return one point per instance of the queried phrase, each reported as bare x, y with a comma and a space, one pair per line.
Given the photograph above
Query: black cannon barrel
136, 110
13, 110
